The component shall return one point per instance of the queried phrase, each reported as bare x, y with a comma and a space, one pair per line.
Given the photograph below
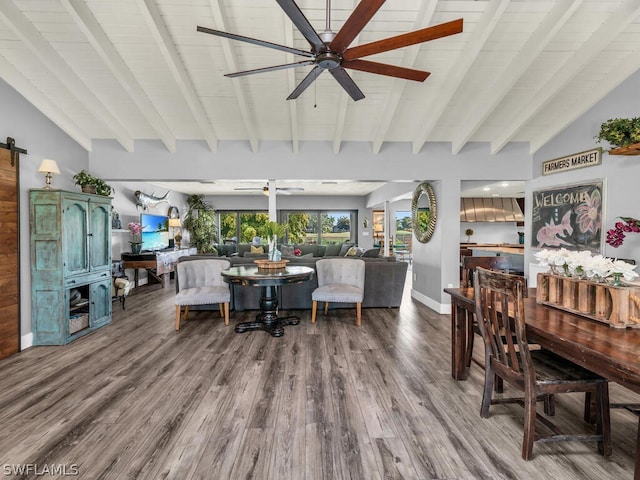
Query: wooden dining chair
469, 265
538, 373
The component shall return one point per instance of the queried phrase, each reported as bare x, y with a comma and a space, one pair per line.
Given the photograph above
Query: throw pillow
352, 252
372, 252
259, 249
287, 250
344, 248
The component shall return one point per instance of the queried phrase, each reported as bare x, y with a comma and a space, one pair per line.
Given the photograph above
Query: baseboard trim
442, 308
26, 341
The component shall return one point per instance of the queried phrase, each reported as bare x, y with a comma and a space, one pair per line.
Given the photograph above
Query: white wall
42, 139
621, 174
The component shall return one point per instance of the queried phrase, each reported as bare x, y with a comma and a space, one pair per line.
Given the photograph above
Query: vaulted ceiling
137, 69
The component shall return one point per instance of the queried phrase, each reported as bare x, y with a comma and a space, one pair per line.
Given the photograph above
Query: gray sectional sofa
384, 284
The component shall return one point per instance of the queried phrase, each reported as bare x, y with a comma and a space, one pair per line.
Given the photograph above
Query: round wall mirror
423, 212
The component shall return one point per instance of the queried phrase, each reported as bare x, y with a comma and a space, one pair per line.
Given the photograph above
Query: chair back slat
469, 264
500, 316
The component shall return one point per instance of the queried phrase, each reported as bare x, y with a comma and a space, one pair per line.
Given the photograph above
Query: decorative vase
274, 253
617, 279
136, 247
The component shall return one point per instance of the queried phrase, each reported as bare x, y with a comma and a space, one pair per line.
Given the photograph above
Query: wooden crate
616, 306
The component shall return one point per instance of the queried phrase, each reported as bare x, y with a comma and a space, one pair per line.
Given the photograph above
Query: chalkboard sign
569, 216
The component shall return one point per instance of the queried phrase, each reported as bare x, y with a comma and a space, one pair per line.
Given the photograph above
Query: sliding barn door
9, 255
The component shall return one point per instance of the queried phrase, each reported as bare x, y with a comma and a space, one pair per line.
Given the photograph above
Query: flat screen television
155, 231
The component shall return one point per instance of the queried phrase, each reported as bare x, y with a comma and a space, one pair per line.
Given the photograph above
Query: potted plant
200, 222
620, 132
91, 184
468, 232
136, 242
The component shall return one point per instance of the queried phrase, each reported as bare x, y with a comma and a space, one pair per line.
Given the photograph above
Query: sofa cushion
255, 255
344, 248
372, 252
332, 250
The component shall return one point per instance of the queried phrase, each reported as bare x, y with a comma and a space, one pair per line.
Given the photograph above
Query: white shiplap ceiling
137, 69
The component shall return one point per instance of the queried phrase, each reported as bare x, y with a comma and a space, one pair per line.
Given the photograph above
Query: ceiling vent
495, 209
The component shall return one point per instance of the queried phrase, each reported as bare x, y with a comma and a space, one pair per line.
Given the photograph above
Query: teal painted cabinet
70, 264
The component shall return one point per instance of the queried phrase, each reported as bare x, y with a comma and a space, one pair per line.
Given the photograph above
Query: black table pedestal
268, 319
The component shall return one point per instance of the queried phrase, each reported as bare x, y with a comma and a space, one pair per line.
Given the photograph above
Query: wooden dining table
609, 352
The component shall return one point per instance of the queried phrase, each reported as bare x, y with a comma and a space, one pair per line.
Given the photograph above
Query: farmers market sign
571, 162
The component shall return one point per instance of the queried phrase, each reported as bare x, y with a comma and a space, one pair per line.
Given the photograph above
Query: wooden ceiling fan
330, 50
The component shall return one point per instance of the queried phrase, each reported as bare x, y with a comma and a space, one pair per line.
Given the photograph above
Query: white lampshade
49, 166
175, 222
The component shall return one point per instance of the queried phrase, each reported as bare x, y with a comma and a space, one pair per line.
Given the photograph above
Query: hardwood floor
137, 399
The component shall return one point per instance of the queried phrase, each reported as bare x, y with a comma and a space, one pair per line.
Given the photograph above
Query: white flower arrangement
582, 263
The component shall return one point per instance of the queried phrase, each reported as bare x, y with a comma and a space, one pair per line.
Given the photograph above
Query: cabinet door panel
100, 238
100, 301
74, 232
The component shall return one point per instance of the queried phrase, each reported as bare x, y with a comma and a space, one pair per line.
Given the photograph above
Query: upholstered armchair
200, 283
339, 280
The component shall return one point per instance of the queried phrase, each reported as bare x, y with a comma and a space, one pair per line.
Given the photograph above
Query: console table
157, 264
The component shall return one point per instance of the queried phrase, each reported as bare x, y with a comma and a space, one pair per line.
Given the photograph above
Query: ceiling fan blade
254, 41
300, 189
404, 40
306, 81
355, 23
269, 69
343, 78
249, 188
300, 21
282, 191
388, 70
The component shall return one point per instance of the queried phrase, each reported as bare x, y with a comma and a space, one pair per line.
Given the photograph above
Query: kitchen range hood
493, 209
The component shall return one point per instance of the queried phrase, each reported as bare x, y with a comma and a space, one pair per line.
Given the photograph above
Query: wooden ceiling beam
490, 18
248, 117
608, 30
625, 67
102, 45
423, 18
40, 47
484, 106
40, 101
343, 108
167, 47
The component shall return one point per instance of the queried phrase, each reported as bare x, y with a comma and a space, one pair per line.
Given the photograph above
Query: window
403, 229
321, 227
241, 226
310, 227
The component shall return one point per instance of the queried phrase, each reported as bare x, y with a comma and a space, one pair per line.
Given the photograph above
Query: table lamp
49, 168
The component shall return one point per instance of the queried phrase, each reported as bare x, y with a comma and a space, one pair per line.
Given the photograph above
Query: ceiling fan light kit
330, 50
